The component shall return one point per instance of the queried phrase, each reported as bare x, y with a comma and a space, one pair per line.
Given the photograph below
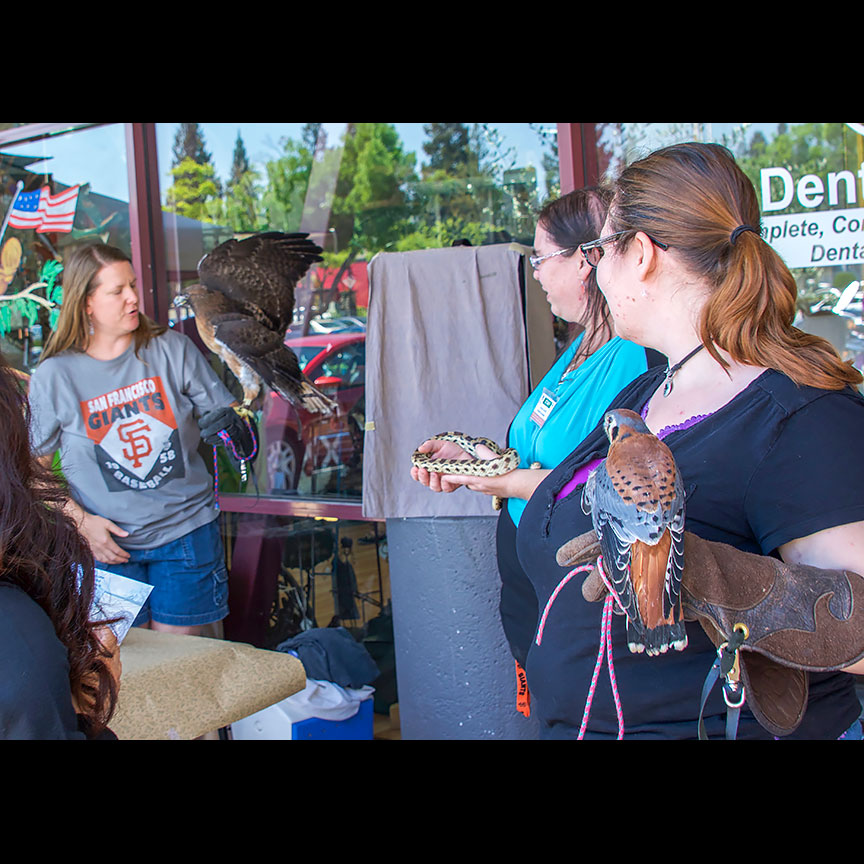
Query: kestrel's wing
261, 272
611, 518
674, 517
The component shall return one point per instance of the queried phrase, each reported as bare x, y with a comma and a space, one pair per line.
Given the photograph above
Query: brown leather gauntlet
798, 618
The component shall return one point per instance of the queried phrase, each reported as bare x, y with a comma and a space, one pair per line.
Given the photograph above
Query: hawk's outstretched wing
261, 272
244, 305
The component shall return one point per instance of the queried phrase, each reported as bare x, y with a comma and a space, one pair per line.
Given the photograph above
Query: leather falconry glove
797, 618
232, 423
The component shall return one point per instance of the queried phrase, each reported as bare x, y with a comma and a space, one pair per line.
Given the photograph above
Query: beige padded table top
181, 687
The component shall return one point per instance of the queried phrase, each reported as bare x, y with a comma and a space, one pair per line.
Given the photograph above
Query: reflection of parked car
297, 441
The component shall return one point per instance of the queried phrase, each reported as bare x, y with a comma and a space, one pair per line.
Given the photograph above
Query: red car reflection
299, 443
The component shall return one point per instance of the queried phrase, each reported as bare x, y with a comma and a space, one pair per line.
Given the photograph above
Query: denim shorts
188, 575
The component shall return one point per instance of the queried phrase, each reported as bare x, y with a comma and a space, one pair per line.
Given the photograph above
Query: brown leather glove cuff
801, 616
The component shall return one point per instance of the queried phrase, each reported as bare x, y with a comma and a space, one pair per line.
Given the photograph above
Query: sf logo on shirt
135, 436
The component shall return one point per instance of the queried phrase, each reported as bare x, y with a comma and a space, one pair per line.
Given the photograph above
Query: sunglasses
594, 251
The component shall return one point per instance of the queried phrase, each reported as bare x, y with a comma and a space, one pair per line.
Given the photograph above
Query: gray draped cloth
445, 350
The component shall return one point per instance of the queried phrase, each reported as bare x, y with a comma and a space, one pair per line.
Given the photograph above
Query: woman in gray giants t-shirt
119, 397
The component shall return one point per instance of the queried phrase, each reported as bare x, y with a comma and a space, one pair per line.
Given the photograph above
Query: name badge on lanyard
545, 403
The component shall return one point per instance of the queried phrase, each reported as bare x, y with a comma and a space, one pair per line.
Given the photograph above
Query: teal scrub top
581, 397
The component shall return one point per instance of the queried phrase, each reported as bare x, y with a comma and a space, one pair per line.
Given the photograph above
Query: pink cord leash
605, 645
216, 477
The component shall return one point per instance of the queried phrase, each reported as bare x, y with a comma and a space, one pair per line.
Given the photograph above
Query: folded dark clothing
332, 654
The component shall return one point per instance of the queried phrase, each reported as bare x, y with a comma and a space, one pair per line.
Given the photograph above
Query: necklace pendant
667, 387
670, 372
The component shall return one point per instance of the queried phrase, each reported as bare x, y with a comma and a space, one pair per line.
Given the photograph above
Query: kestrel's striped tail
656, 640
660, 625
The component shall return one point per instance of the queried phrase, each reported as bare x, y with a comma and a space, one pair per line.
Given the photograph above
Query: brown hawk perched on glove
243, 307
636, 501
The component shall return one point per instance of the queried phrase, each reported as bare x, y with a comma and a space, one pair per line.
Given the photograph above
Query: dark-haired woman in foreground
59, 671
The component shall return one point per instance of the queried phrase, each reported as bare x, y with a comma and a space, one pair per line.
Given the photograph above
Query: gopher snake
503, 462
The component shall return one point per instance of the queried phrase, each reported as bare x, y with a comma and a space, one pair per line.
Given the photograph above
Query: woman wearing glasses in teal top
566, 405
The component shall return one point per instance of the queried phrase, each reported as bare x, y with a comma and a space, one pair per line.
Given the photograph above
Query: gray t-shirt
128, 435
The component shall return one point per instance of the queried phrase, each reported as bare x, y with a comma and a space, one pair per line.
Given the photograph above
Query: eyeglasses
593, 251
536, 260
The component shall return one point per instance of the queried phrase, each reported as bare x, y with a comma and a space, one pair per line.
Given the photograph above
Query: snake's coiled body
503, 462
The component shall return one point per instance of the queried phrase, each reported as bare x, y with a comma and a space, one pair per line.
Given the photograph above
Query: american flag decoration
43, 212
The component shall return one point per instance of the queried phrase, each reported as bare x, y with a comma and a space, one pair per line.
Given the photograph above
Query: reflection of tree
195, 192
189, 144
619, 144
470, 189
549, 160
287, 182
358, 185
805, 148
370, 204
363, 192
240, 211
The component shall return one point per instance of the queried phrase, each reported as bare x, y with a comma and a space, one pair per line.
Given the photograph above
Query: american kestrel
636, 501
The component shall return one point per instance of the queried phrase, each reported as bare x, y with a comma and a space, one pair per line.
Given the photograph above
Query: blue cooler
356, 728
294, 718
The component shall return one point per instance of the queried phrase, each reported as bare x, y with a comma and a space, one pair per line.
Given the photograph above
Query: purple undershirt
582, 473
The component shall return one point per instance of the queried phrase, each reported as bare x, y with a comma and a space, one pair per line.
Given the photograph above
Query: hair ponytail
750, 316
695, 198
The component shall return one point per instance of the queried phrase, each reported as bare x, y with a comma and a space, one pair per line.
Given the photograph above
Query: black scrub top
35, 695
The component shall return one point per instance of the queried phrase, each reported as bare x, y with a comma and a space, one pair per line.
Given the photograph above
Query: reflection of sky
98, 155
262, 142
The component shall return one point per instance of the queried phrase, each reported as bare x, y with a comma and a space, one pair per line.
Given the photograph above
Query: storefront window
328, 571
810, 179
55, 193
290, 575
357, 189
